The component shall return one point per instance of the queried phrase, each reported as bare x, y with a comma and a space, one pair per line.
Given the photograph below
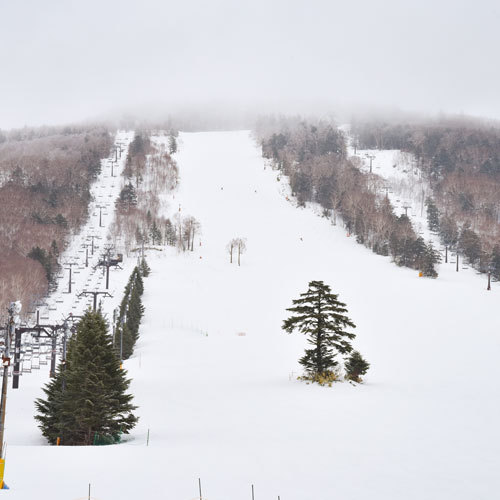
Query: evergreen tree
128, 195
356, 366
321, 316
46, 260
432, 215
135, 312
170, 234
431, 258
155, 233
448, 231
470, 244
130, 313
419, 250
402, 241
495, 262
127, 341
88, 396
172, 144
49, 409
145, 269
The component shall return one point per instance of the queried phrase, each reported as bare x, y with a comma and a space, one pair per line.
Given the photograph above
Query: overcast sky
64, 60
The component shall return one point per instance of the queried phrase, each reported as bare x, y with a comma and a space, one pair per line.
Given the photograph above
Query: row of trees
464, 240
314, 157
150, 172
236, 245
87, 401
130, 312
45, 176
49, 261
460, 159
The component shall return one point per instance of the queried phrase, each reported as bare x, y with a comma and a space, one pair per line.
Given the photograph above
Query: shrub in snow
356, 366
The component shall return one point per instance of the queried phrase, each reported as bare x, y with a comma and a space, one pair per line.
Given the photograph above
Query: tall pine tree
87, 398
321, 316
432, 215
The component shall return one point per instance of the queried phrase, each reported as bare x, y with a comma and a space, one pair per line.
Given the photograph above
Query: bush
356, 366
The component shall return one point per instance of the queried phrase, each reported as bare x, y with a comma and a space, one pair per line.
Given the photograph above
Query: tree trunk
319, 339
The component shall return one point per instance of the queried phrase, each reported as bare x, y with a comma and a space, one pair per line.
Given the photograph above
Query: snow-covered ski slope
212, 372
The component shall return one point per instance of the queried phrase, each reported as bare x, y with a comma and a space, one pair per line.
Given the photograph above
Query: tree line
460, 158
314, 158
130, 312
149, 173
45, 177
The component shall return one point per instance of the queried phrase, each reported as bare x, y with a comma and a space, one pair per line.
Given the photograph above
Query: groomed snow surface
214, 375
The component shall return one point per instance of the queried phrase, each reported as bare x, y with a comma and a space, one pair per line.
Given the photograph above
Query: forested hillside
461, 160
314, 157
45, 176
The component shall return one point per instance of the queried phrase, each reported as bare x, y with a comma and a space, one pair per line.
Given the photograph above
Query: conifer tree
145, 269
431, 258
170, 235
49, 409
155, 233
432, 215
130, 313
88, 395
128, 339
321, 316
495, 262
356, 366
172, 144
128, 195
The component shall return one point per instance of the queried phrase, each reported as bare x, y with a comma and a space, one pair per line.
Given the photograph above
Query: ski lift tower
14, 310
371, 158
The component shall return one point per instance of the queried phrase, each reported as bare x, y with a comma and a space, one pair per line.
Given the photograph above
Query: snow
227, 408
398, 177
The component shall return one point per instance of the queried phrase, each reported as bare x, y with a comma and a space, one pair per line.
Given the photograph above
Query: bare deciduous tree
230, 247
241, 246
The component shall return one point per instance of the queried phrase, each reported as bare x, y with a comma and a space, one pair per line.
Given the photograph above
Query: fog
62, 60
